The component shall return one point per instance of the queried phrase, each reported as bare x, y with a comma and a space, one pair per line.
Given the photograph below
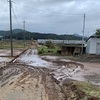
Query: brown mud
19, 81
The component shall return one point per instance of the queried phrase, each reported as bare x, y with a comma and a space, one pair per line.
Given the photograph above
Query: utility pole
24, 32
10, 10
83, 33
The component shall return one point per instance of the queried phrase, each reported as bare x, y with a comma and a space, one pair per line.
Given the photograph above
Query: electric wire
19, 15
16, 18
43, 12
3, 11
54, 13
3, 1
34, 10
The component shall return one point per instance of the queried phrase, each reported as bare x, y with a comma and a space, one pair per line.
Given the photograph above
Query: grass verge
89, 89
45, 50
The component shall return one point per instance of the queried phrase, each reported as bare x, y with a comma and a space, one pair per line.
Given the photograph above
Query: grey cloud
56, 16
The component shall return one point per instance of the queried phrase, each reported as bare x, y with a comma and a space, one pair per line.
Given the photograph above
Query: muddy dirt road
62, 69
30, 77
20, 82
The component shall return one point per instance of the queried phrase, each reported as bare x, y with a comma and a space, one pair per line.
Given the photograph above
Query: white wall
91, 45
88, 47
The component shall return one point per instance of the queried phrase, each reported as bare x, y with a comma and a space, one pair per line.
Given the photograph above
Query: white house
93, 45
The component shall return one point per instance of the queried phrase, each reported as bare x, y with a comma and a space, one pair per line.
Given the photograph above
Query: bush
49, 44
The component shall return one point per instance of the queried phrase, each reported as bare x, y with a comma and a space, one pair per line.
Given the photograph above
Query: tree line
36, 36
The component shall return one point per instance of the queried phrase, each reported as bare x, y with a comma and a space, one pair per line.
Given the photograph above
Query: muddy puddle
67, 69
62, 69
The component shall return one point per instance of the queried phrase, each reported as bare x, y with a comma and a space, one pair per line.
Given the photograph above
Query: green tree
98, 32
49, 44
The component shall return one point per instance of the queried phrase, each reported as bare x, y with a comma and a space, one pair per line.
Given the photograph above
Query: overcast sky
52, 16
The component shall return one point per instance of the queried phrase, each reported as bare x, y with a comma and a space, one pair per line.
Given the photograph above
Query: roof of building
93, 36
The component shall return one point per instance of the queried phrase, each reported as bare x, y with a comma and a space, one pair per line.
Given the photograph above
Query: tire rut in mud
29, 83
22, 82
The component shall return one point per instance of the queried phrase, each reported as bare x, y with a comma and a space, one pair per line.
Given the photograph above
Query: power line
3, 1
4, 9
19, 16
44, 11
17, 20
54, 13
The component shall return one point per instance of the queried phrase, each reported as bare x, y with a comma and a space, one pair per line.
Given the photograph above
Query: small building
73, 49
43, 41
69, 47
93, 45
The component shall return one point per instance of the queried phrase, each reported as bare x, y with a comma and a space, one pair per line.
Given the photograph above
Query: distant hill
19, 34
78, 35
14, 31
55, 36
4, 33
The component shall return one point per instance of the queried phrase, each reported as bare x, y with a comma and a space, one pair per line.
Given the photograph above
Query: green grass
46, 50
89, 89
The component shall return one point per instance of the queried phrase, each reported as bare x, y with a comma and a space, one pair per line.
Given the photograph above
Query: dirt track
22, 81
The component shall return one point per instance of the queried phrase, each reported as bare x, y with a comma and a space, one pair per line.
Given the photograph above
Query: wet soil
85, 58
20, 81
